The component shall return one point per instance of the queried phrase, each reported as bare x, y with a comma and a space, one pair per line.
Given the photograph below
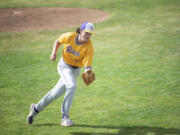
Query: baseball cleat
32, 114
66, 122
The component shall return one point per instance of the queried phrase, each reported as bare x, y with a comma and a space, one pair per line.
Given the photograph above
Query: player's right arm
61, 40
54, 51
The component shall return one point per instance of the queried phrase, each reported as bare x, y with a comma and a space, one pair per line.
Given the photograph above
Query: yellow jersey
75, 54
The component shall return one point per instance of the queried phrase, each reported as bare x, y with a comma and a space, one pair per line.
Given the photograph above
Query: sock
64, 116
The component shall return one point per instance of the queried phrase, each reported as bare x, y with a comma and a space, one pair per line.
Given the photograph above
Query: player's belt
73, 66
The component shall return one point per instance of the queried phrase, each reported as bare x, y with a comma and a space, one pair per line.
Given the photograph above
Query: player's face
85, 36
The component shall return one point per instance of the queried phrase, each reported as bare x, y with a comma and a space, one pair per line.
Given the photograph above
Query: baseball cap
87, 27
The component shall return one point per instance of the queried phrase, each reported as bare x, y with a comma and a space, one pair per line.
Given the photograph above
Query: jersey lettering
70, 50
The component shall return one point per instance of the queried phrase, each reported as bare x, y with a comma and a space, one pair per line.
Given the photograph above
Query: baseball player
77, 53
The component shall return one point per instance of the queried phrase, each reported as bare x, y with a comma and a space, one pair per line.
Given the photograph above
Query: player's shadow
136, 130
46, 124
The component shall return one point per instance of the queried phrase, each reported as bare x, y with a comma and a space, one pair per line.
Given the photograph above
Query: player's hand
88, 70
53, 57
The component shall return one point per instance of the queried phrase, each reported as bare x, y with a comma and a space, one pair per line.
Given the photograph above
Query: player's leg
57, 91
70, 83
69, 76
69, 101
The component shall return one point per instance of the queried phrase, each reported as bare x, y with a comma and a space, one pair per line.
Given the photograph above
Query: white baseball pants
67, 83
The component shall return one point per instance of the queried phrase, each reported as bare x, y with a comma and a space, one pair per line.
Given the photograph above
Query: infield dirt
25, 19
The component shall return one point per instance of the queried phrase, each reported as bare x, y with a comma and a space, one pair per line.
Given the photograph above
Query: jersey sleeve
87, 60
63, 38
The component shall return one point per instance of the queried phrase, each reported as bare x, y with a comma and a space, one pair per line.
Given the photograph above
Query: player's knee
72, 86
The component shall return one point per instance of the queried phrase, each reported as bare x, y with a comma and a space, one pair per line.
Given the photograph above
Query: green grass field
137, 66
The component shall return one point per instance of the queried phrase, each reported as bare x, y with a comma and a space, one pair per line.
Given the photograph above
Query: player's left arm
88, 58
88, 76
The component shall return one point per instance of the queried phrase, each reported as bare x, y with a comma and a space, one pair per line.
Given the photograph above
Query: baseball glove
88, 77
